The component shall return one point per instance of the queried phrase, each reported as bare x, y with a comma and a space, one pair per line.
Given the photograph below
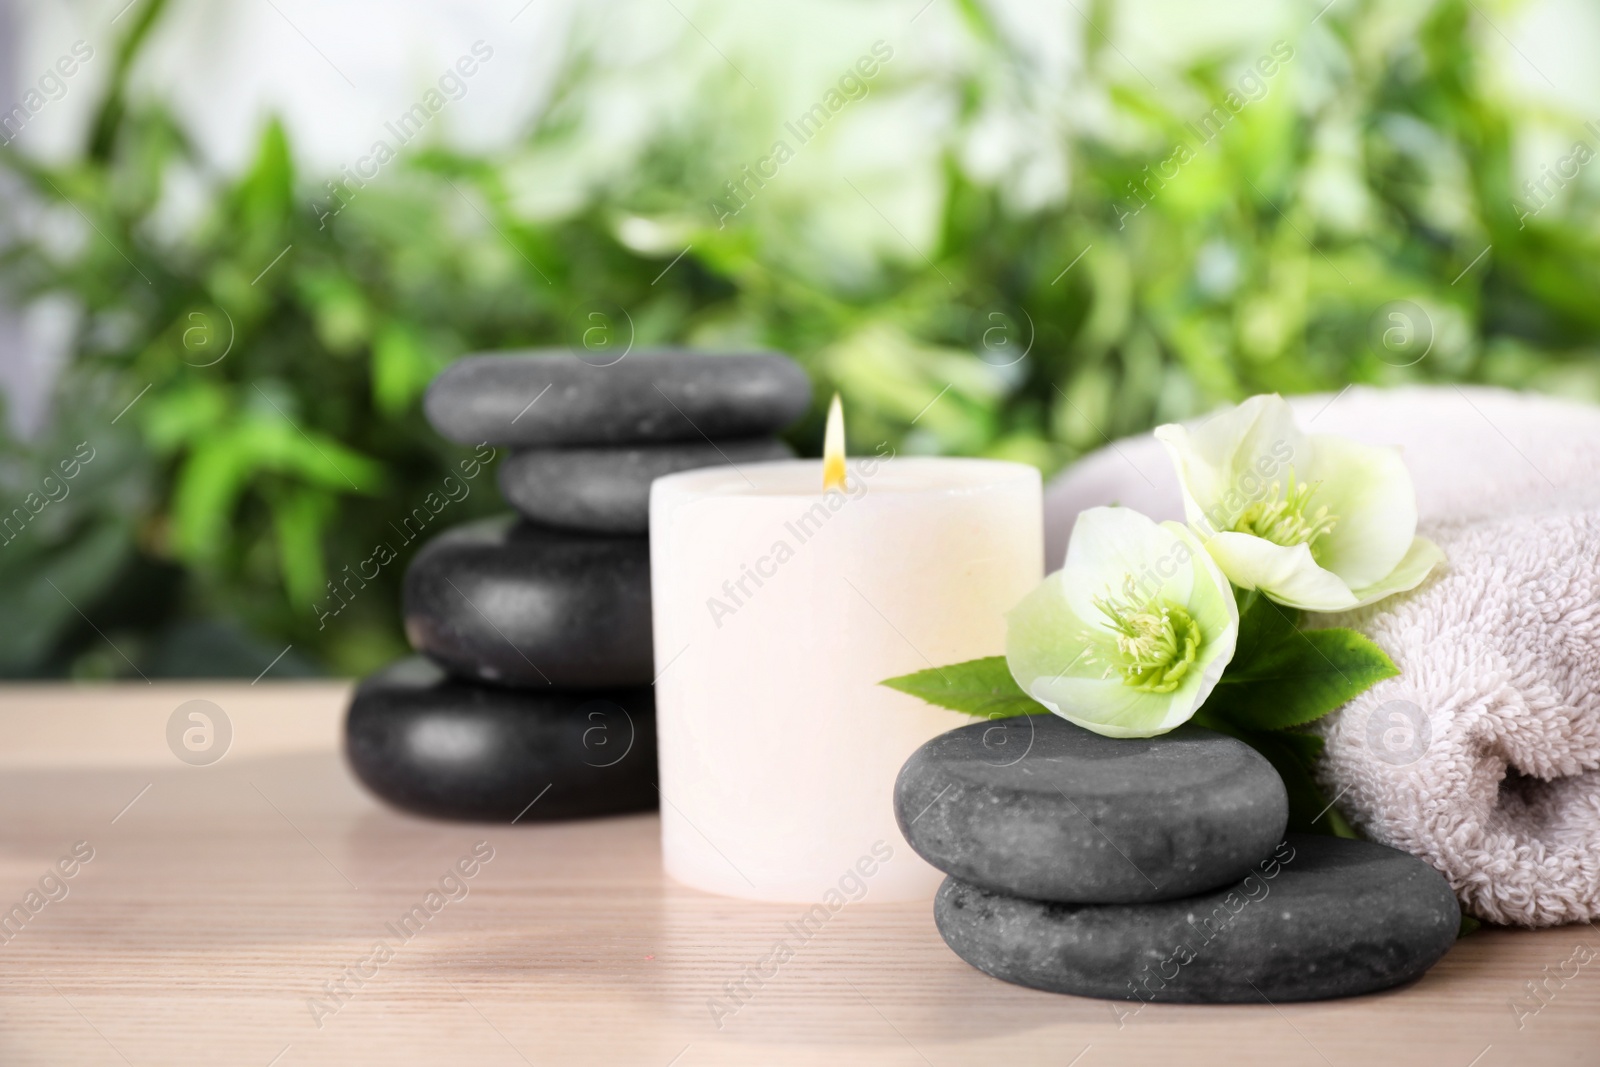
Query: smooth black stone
435, 745
1324, 917
511, 603
552, 398
608, 489
1040, 808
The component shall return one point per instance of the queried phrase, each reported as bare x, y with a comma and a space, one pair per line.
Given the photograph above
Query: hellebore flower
1313, 521
1130, 636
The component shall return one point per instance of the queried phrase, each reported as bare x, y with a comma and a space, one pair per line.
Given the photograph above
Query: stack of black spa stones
531, 697
1156, 869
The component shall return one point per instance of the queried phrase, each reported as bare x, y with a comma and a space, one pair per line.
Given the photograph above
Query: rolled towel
1483, 755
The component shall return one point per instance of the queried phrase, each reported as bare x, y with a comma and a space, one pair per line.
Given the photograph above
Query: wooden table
224, 903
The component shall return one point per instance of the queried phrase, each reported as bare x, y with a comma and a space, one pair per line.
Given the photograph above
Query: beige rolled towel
1483, 756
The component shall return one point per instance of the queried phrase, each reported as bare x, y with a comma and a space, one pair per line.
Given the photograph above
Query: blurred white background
335, 70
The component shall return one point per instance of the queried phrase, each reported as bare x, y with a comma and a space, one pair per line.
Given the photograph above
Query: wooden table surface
223, 905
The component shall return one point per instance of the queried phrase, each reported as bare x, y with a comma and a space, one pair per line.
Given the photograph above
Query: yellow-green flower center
1286, 518
1155, 642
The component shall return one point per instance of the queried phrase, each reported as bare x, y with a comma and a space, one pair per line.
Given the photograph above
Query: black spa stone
438, 746
1037, 807
608, 489
504, 601
1321, 917
552, 398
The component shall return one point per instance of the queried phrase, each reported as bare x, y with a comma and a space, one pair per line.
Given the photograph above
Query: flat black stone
438, 746
607, 490
1040, 808
552, 398
1325, 917
511, 603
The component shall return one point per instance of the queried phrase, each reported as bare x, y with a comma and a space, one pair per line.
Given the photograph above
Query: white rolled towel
1483, 755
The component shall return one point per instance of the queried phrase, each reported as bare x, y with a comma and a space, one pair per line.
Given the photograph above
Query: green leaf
207, 488
1298, 677
338, 307
402, 367
299, 519
264, 197
1263, 624
980, 687
39, 584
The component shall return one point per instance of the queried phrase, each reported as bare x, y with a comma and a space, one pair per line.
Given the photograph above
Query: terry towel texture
1483, 756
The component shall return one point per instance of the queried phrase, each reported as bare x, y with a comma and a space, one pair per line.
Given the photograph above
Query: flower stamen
1154, 644
1285, 518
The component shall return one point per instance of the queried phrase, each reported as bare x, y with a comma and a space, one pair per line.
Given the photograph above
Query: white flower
1313, 521
1129, 638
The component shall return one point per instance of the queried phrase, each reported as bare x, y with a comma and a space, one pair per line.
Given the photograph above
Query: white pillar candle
778, 609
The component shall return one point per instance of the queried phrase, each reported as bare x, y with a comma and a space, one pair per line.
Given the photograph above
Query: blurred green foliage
274, 358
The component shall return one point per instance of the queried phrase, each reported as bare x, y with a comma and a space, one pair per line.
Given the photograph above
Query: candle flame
833, 473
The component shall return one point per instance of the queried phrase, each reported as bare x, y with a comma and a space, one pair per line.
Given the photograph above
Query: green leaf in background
1030, 320
38, 590
980, 687
264, 197
298, 523
402, 367
339, 309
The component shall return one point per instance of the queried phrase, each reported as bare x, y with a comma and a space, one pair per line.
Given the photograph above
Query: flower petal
1369, 489
1227, 454
1044, 637
1210, 600
1107, 707
1110, 545
1286, 574
1198, 480
1422, 557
